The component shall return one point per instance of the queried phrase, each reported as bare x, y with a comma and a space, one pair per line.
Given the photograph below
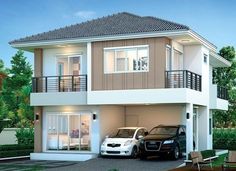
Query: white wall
110, 118
150, 116
50, 55
8, 136
193, 58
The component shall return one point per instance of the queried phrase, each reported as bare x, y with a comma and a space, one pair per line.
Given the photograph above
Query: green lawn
220, 160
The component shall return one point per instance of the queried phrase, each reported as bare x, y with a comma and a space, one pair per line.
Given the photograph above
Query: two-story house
115, 71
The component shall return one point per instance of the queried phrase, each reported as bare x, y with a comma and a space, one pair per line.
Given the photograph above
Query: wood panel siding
38, 72
155, 78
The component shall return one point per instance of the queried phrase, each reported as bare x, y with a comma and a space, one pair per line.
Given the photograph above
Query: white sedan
125, 142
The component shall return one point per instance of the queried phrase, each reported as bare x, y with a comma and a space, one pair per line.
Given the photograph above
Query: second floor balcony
66, 83
183, 79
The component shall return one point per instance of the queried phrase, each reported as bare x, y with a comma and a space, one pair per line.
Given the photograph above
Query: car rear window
164, 130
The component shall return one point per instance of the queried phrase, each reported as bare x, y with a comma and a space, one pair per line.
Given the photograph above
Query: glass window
177, 63
68, 132
126, 59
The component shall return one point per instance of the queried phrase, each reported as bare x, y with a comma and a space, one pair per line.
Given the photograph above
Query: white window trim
68, 56
45, 134
123, 48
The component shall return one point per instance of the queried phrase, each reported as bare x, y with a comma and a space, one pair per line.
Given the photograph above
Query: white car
125, 142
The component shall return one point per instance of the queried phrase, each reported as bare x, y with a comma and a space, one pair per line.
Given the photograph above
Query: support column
38, 111
189, 128
204, 136
89, 66
38, 126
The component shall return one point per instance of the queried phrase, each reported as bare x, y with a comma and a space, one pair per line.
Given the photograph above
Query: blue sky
213, 19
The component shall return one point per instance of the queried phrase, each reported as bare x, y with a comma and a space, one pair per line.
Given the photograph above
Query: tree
19, 75
226, 77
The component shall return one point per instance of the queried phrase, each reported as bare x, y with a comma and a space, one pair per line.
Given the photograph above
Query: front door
195, 129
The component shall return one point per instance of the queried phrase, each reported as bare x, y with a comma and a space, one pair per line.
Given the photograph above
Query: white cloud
85, 14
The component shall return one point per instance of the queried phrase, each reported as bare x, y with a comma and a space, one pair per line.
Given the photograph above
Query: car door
182, 139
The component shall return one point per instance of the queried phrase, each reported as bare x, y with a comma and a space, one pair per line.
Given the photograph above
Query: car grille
113, 145
113, 152
153, 145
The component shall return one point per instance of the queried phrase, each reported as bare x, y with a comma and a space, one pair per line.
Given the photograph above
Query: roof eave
98, 38
222, 62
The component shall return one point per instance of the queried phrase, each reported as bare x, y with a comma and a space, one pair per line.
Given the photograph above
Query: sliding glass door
70, 132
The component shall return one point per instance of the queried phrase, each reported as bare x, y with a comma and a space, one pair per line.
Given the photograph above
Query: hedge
14, 150
224, 138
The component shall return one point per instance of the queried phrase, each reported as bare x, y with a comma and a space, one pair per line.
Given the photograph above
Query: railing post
85, 82
72, 82
59, 83
46, 84
166, 78
36, 85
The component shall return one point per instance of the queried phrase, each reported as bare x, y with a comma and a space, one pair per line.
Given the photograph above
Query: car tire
176, 153
134, 153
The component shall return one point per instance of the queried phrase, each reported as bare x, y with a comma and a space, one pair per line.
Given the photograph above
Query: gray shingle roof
117, 24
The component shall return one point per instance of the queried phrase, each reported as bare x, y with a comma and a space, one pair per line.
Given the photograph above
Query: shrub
224, 138
25, 136
15, 150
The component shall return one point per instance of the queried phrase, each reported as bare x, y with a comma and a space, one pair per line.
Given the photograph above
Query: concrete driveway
98, 164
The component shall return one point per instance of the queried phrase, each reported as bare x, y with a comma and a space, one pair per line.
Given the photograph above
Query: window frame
124, 48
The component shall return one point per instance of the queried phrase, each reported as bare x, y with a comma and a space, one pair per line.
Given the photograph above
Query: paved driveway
98, 164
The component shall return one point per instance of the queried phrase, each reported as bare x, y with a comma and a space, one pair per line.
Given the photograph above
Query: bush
25, 136
224, 138
14, 150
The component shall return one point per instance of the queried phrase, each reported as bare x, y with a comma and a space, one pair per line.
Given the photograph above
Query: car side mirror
182, 134
140, 137
146, 133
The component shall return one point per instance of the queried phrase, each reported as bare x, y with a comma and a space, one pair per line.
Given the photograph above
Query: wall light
94, 116
37, 117
187, 115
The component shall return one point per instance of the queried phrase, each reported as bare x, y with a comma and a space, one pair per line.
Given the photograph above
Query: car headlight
168, 142
128, 142
104, 143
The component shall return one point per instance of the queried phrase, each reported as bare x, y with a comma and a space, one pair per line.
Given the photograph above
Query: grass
219, 161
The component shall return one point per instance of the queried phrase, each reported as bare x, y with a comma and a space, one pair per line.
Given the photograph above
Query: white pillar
203, 129
189, 128
89, 68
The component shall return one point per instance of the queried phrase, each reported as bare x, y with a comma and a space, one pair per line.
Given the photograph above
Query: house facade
120, 70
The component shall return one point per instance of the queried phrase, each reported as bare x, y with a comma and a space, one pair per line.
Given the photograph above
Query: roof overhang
29, 46
218, 61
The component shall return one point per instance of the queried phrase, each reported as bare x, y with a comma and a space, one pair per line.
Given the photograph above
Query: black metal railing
222, 93
65, 83
183, 79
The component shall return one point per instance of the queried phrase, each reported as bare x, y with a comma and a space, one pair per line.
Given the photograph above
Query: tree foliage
16, 90
226, 77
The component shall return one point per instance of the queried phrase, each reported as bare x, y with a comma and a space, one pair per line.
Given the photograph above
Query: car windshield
124, 133
164, 130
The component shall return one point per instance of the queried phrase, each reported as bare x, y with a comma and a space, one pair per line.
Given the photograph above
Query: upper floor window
126, 59
68, 65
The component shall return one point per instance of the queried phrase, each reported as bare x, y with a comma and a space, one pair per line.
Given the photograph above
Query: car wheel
176, 153
134, 152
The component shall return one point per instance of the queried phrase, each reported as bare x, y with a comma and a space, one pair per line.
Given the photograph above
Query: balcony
66, 83
222, 93
59, 90
218, 97
183, 79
